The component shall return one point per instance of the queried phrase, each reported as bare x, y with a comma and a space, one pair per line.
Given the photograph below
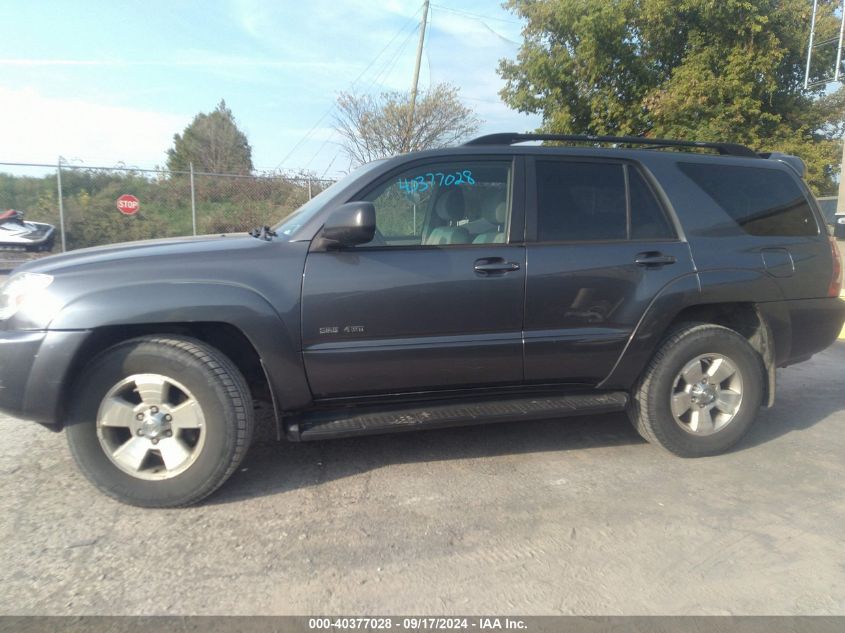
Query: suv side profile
495, 281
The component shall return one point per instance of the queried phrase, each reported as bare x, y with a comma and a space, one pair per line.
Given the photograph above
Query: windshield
296, 220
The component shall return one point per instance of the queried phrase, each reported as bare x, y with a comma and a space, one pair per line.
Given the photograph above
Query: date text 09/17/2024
418, 623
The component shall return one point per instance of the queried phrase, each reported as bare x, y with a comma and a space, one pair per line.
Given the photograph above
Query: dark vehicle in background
834, 220
839, 226
837, 221
495, 281
17, 234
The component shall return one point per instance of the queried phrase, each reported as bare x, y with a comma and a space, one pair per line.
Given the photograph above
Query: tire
660, 393
124, 443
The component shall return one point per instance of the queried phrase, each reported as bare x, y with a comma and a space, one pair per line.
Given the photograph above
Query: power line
385, 71
482, 100
428, 57
477, 16
351, 85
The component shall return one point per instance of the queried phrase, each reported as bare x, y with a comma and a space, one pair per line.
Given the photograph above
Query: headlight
840, 220
19, 289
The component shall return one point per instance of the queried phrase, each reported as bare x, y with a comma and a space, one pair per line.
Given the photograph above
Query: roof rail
509, 138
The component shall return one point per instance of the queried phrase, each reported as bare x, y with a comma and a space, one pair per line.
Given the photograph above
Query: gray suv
496, 281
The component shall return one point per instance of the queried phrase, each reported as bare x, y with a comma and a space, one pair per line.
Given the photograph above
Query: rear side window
580, 201
763, 202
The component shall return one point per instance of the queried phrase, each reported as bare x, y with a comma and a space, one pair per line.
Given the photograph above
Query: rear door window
648, 221
761, 201
580, 202
596, 202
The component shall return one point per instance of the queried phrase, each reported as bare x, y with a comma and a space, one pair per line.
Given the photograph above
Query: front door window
443, 204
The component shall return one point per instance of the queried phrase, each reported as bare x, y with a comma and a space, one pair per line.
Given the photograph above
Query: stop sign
128, 204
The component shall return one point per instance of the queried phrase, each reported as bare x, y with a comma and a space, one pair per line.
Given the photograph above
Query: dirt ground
576, 516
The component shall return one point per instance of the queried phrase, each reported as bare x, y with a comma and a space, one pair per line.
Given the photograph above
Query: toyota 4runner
495, 281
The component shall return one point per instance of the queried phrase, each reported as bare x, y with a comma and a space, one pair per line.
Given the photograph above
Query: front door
601, 247
435, 301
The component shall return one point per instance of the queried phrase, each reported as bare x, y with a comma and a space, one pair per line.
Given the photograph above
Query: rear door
600, 248
436, 300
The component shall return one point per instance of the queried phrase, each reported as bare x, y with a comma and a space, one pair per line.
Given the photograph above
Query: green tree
712, 70
213, 143
378, 127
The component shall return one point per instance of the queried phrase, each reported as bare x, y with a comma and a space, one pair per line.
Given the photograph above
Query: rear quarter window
761, 201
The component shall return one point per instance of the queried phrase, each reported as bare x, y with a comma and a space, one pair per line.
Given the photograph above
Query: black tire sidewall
219, 416
706, 340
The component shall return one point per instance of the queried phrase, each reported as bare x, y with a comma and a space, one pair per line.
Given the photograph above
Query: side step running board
347, 422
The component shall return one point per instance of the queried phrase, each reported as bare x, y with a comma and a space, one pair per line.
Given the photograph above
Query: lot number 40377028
423, 182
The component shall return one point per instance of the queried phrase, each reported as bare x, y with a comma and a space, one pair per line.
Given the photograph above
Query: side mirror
350, 224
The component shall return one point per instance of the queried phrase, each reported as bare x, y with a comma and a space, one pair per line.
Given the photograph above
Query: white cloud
24, 63
37, 129
189, 58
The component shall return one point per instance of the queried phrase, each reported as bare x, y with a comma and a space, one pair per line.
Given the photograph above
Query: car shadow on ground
807, 394
276, 467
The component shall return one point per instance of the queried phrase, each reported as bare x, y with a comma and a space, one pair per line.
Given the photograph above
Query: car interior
468, 215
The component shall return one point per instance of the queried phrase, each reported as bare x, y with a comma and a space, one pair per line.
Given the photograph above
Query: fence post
193, 202
61, 203
309, 189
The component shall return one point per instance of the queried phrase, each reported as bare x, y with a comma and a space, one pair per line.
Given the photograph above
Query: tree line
89, 197
728, 71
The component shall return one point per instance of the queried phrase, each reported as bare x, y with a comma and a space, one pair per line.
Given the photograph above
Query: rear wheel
700, 393
160, 421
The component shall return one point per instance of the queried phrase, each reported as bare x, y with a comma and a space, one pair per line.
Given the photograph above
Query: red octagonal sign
128, 204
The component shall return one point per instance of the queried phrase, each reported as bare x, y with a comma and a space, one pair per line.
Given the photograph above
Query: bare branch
377, 127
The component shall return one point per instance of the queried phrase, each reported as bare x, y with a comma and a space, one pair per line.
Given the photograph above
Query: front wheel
160, 421
700, 393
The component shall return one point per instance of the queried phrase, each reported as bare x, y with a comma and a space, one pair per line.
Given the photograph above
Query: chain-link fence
83, 203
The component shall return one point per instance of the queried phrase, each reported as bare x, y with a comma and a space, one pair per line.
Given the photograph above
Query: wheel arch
225, 337
746, 319
234, 319
743, 300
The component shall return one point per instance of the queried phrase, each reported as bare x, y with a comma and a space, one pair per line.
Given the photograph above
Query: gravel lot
577, 516
571, 517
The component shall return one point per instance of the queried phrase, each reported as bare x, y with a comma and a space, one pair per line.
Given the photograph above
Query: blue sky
103, 82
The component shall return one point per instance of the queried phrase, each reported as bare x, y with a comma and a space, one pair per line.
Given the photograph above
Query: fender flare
698, 289
192, 302
678, 294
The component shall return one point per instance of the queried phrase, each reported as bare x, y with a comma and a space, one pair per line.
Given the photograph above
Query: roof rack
509, 138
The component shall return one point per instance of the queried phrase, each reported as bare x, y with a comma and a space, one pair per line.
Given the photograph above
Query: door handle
494, 265
653, 259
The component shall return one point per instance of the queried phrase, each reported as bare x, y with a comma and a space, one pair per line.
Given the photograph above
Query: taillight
836, 278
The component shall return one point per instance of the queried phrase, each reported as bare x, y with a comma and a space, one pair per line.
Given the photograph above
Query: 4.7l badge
346, 329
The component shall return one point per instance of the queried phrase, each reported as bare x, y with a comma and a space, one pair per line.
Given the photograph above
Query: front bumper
34, 367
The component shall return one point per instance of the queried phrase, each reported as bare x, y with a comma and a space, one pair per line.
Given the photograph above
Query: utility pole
811, 45
193, 201
61, 203
416, 76
840, 200
837, 77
